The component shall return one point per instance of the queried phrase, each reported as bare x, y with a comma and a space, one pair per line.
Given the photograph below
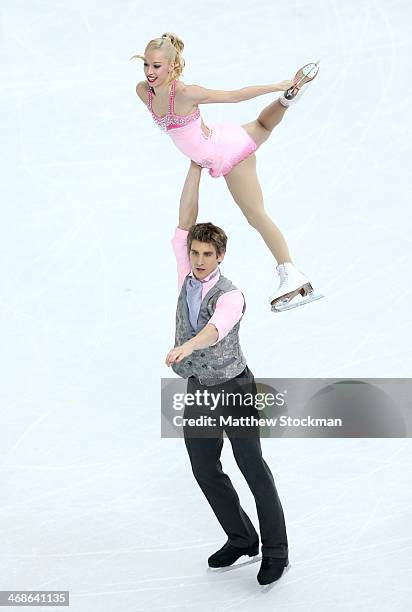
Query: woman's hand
284, 85
178, 353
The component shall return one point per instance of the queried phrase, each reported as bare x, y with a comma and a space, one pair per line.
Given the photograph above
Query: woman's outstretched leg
261, 128
244, 186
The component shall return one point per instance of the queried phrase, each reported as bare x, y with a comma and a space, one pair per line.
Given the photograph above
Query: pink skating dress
226, 145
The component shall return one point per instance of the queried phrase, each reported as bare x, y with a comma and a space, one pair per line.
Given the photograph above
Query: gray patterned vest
214, 364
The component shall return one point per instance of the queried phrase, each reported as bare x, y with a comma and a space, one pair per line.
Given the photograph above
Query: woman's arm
201, 95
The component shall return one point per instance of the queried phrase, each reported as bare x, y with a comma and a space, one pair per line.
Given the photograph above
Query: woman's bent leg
261, 128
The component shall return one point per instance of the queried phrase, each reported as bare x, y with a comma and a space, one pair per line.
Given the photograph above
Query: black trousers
204, 446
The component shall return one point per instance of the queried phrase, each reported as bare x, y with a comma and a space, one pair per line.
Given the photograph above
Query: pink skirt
231, 144
226, 145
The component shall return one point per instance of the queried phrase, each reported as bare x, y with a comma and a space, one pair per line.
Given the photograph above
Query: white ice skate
293, 284
304, 75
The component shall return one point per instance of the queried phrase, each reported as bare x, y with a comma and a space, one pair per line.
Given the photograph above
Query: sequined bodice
171, 120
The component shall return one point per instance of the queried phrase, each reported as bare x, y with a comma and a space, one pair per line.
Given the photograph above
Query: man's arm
228, 311
189, 199
189, 202
206, 337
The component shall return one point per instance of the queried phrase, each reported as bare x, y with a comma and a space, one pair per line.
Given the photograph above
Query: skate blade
311, 70
235, 565
289, 304
308, 74
303, 290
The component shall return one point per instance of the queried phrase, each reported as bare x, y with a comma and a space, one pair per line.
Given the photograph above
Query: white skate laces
304, 75
293, 284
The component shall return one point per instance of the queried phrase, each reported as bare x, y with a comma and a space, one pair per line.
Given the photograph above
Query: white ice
93, 500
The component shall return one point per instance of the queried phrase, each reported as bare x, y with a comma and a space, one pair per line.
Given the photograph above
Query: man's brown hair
209, 233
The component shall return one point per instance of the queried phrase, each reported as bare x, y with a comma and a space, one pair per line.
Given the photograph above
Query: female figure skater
226, 149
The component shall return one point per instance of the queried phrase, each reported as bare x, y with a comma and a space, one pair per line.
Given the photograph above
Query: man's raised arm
189, 204
189, 200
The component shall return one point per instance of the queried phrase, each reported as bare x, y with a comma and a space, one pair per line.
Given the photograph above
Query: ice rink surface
93, 500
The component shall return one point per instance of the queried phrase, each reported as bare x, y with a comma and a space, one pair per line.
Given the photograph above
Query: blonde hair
172, 47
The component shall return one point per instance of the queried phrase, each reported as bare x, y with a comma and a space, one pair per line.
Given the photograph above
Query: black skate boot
271, 569
228, 554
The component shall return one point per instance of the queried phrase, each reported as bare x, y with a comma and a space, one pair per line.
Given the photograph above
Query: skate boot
228, 554
292, 285
271, 569
304, 75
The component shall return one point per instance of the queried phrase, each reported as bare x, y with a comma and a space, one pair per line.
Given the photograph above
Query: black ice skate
228, 554
271, 569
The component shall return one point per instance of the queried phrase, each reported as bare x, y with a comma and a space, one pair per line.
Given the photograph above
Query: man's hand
178, 353
196, 166
206, 337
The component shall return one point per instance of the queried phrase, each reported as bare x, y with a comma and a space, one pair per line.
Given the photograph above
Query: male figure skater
207, 352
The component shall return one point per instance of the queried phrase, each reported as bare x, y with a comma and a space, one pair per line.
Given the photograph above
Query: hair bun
175, 40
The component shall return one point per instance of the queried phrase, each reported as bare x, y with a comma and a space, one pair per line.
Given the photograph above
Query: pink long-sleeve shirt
229, 306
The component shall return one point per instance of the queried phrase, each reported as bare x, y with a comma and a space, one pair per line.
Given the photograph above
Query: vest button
202, 354
204, 365
189, 363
